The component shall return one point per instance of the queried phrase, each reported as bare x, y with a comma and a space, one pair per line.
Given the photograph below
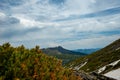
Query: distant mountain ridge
87, 51
63, 54
60, 50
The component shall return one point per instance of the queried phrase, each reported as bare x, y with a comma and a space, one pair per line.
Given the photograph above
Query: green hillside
63, 54
96, 60
19, 63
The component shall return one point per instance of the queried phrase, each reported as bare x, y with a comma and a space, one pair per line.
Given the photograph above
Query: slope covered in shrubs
99, 59
31, 64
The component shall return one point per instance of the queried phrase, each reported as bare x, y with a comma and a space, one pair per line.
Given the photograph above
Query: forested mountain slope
102, 61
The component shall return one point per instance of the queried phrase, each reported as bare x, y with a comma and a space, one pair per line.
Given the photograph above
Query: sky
73, 24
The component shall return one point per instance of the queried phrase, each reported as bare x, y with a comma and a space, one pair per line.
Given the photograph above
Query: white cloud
35, 20
78, 7
105, 4
2, 15
99, 24
100, 42
93, 1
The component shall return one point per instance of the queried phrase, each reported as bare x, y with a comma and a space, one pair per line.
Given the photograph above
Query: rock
100, 77
92, 76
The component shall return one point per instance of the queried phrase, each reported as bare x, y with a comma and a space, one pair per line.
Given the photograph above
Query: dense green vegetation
31, 64
100, 58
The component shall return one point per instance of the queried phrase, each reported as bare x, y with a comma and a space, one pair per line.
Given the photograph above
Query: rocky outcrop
100, 77
92, 76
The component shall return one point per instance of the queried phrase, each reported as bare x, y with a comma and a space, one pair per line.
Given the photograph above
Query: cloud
11, 33
7, 20
57, 2
102, 41
12, 3
2, 14
112, 11
105, 4
59, 22
91, 42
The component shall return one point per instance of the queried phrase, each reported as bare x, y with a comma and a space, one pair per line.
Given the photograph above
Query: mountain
101, 61
87, 51
19, 63
63, 54
61, 50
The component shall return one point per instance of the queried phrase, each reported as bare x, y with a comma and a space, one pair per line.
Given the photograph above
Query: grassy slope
100, 58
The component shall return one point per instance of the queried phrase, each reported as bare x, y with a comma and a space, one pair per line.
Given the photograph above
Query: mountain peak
60, 47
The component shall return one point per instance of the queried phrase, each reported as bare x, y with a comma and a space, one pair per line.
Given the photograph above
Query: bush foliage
20, 63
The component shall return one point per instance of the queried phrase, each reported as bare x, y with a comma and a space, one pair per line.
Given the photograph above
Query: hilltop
60, 50
62, 53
